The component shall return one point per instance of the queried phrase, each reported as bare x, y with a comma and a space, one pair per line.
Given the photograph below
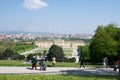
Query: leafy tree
57, 52
5, 49
117, 38
21, 57
10, 54
45, 53
4, 44
104, 44
7, 43
29, 57
2, 49
1, 56
84, 52
37, 54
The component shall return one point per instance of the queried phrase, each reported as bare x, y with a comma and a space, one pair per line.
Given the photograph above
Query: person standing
34, 62
42, 65
53, 61
81, 62
116, 65
105, 62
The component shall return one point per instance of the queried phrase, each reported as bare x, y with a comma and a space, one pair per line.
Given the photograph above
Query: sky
58, 16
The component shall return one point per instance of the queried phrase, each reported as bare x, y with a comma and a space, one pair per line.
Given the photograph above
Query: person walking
81, 62
105, 62
34, 62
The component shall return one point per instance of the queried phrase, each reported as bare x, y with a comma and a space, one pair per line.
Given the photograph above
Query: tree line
105, 43
11, 50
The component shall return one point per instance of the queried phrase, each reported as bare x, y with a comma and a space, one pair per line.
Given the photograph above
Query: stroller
42, 65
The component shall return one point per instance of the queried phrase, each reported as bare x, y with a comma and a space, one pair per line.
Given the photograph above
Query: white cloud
34, 4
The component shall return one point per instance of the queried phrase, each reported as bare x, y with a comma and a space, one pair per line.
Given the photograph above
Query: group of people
41, 63
105, 63
43, 66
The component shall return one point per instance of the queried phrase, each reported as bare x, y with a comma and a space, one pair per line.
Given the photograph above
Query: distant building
2, 36
61, 43
27, 42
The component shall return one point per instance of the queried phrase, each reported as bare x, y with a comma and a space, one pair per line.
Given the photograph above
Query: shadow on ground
90, 72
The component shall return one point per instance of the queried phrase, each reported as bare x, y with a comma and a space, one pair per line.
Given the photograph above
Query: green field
58, 64
55, 77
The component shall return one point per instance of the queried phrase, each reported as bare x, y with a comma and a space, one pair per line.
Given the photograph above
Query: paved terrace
58, 70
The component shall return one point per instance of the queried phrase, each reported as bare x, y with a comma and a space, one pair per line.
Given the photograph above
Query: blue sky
58, 16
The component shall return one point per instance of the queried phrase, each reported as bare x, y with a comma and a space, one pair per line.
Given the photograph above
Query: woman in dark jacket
81, 62
34, 62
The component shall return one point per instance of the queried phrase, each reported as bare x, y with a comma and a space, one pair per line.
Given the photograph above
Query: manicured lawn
55, 77
11, 63
67, 50
58, 64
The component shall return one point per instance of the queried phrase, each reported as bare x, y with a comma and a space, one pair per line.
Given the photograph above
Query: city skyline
58, 16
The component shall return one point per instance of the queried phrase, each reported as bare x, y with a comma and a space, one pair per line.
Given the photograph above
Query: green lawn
58, 64
68, 54
55, 77
12, 63
67, 50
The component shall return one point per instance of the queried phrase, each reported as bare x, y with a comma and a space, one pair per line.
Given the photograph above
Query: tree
117, 38
84, 52
21, 57
29, 57
2, 49
57, 52
7, 43
45, 53
103, 44
10, 54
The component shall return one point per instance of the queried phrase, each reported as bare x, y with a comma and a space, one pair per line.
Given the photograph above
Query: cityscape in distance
33, 35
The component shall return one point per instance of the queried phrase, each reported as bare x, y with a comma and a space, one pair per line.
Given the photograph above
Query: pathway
58, 70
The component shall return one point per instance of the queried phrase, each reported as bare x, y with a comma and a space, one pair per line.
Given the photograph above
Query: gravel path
58, 70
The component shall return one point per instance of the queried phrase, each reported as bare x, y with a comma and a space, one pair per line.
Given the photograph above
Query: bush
29, 57
21, 57
70, 59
